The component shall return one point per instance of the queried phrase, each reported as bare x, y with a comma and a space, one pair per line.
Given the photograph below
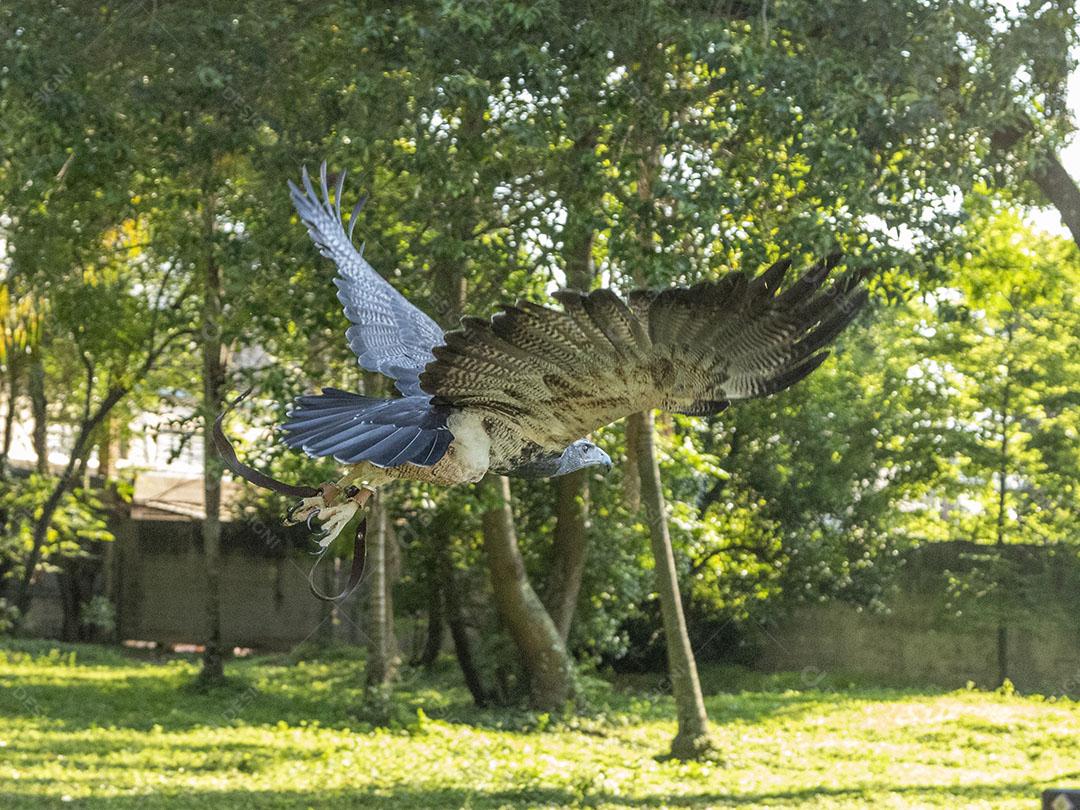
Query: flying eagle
515, 394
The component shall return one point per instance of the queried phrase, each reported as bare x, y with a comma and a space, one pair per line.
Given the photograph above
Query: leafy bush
99, 613
79, 520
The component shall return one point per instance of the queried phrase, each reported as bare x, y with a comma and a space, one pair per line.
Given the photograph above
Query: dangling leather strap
356, 573
237, 467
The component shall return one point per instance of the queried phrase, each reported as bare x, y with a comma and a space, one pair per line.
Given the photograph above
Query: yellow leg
355, 487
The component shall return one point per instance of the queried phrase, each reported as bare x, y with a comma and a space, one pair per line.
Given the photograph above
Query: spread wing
555, 376
388, 334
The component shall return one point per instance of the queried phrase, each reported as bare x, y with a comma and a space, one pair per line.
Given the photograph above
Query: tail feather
353, 428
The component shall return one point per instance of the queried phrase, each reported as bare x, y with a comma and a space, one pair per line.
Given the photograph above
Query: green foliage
1006, 346
79, 523
99, 614
1003, 348
9, 616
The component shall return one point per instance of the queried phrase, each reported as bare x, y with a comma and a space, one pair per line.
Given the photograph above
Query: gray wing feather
555, 376
388, 334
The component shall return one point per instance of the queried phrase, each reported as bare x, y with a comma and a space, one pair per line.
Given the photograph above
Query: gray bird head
582, 454
551, 465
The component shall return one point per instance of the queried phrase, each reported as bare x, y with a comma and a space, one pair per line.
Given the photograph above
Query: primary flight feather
517, 393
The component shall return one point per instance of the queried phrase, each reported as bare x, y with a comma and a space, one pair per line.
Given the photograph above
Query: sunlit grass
90, 727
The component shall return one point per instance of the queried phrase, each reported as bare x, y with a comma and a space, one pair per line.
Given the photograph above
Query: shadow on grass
433, 798
142, 697
218, 756
103, 687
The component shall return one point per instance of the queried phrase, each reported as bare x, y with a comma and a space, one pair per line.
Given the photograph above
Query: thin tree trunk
569, 548
70, 606
543, 653
356, 610
213, 668
38, 407
76, 579
1047, 172
9, 419
459, 632
67, 477
377, 670
393, 573
433, 637
107, 451
92, 418
692, 736
631, 477
691, 739
1003, 494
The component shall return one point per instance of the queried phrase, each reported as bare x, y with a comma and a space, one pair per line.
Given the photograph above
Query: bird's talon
290, 516
299, 512
306, 507
332, 520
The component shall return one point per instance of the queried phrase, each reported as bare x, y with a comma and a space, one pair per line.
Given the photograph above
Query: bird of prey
517, 393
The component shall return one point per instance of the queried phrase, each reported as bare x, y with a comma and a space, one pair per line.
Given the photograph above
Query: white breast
471, 449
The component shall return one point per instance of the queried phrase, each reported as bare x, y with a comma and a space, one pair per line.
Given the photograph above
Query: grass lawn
89, 726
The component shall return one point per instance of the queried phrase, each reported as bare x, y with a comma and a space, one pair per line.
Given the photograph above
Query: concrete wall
265, 601
922, 640
154, 574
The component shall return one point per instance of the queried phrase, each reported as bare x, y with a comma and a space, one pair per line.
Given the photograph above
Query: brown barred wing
556, 375
549, 375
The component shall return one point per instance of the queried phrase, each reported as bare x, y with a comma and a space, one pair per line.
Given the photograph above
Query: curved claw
310, 518
334, 519
304, 509
290, 513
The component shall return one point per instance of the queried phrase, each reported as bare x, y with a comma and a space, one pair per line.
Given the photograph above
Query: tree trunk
213, 664
1002, 505
631, 477
75, 581
108, 451
38, 407
691, 739
451, 279
9, 419
356, 611
572, 491
543, 653
433, 638
459, 629
41, 530
569, 548
377, 671
1047, 172
70, 606
393, 573
67, 477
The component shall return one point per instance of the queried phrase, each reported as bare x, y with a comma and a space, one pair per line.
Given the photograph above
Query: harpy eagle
516, 393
